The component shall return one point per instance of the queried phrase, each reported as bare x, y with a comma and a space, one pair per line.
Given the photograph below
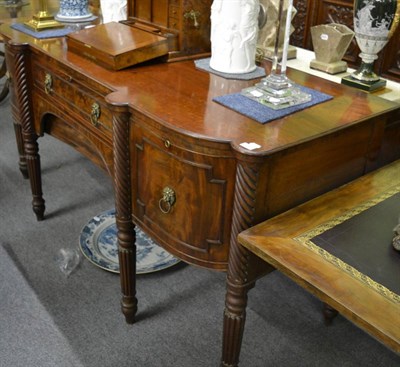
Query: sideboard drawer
68, 94
174, 186
70, 107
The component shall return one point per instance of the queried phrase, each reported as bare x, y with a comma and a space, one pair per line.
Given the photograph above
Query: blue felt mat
204, 64
264, 114
51, 33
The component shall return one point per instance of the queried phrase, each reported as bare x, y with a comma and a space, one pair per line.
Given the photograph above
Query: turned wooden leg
239, 279
34, 172
234, 321
329, 313
123, 205
237, 286
20, 145
17, 56
127, 264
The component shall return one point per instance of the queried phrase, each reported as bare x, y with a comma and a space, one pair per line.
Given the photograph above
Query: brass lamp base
364, 85
42, 21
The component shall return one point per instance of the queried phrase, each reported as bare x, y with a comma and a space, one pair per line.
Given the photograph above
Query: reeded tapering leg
127, 263
235, 306
123, 205
34, 172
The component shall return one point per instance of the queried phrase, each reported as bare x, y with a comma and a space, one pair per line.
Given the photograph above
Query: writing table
338, 247
179, 170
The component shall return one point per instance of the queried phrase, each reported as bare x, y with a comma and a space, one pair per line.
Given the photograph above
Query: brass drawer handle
95, 114
48, 83
167, 201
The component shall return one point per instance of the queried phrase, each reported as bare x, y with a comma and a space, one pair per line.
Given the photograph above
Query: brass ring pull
167, 201
48, 83
95, 114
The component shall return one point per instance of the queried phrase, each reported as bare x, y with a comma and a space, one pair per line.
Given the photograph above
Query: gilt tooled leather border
306, 240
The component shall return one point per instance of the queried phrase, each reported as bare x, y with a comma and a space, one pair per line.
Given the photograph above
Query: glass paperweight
276, 90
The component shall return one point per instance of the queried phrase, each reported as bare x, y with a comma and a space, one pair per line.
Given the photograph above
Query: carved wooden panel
301, 23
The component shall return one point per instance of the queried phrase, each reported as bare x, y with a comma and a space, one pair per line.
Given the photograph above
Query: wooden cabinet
186, 23
310, 13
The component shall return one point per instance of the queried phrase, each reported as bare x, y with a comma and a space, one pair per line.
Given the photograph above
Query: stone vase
330, 42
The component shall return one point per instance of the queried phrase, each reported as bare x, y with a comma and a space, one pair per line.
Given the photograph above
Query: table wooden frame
278, 242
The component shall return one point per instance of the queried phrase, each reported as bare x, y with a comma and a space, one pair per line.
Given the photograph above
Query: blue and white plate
98, 242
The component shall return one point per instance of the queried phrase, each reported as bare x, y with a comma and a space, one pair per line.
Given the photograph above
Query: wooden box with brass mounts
186, 23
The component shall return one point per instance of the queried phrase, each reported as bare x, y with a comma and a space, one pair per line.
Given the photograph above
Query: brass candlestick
43, 20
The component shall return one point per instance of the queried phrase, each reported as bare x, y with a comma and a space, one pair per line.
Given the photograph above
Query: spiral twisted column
238, 281
123, 203
18, 63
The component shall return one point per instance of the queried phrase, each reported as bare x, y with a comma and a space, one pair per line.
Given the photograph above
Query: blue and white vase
74, 11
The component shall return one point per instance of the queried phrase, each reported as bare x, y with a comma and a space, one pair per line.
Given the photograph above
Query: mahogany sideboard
179, 169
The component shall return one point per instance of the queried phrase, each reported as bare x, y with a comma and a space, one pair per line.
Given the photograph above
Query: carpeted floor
47, 319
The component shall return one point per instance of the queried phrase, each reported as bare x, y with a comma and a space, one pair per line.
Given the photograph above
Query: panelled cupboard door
175, 185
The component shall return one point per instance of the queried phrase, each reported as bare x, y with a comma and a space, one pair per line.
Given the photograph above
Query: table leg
33, 163
123, 201
329, 313
17, 56
239, 278
235, 305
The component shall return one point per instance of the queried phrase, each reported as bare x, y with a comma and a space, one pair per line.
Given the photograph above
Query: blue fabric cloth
264, 114
204, 64
51, 33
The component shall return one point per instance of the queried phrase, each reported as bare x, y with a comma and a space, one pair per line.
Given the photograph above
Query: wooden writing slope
117, 46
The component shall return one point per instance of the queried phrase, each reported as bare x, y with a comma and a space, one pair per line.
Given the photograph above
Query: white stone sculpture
234, 30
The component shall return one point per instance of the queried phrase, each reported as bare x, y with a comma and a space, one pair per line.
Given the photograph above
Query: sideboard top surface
179, 96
